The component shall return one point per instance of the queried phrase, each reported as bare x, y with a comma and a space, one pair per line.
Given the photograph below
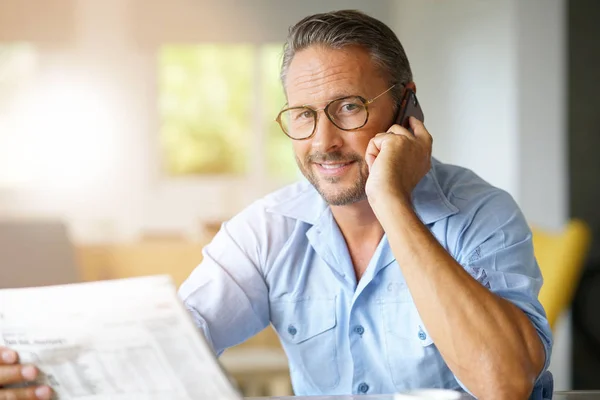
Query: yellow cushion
561, 257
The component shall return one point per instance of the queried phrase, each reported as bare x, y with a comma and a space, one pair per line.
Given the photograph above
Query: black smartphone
409, 107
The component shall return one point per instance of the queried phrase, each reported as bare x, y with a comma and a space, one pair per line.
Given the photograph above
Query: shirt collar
306, 204
429, 201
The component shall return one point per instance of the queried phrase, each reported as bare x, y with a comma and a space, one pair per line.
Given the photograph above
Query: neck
358, 222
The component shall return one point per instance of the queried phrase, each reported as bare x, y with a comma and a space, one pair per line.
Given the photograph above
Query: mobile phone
409, 107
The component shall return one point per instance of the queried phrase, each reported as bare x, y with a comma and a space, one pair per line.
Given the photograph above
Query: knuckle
394, 129
403, 138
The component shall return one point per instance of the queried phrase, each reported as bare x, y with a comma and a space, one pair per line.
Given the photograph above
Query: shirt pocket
412, 358
307, 329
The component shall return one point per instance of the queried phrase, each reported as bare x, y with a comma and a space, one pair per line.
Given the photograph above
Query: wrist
386, 205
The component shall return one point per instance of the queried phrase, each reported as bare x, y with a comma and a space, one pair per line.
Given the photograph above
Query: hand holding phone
403, 163
409, 106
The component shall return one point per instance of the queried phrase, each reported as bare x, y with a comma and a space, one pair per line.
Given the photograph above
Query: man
388, 270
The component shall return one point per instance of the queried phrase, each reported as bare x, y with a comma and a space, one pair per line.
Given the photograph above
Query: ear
411, 86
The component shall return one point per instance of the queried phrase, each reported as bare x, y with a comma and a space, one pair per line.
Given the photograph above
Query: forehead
318, 74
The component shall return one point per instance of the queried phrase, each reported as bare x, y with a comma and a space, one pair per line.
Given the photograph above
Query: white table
566, 395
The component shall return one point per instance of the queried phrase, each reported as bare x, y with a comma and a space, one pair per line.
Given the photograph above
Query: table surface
259, 360
567, 395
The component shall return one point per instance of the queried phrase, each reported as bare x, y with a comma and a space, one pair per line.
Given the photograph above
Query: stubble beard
341, 196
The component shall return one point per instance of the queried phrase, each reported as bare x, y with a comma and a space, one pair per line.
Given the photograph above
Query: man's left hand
397, 161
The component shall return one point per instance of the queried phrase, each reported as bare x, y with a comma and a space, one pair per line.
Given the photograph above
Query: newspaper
121, 340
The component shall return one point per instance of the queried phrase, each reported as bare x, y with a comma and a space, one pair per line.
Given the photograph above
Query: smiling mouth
334, 169
334, 165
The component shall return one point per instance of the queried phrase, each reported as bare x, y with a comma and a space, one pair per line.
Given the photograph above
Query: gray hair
343, 28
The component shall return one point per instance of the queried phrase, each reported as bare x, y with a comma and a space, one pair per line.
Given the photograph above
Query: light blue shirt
284, 261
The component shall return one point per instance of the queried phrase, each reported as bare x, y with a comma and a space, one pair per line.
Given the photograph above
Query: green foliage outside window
208, 105
280, 157
205, 108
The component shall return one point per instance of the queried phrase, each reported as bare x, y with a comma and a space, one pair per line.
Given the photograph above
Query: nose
327, 136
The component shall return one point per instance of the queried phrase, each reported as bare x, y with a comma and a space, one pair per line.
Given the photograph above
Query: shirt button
292, 330
422, 335
359, 329
363, 388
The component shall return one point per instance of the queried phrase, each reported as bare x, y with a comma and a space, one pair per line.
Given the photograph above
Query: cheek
360, 143
301, 149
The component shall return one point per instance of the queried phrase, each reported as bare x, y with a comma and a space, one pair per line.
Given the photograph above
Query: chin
342, 196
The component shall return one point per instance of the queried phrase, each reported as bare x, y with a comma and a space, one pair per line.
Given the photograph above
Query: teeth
332, 166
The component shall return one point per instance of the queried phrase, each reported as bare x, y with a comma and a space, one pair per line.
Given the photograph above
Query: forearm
481, 336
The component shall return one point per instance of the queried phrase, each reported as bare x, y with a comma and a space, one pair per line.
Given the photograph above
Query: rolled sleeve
512, 273
498, 252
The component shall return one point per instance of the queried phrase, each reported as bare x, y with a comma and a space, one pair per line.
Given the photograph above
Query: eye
306, 114
350, 107
302, 114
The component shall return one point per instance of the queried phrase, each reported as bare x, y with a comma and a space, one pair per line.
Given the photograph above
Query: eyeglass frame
315, 113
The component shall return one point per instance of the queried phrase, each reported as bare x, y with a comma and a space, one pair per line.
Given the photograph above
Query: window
217, 109
279, 155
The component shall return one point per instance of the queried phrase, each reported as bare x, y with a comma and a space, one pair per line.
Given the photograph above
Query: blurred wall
464, 56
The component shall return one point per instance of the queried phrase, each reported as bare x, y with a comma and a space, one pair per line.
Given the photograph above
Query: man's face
333, 160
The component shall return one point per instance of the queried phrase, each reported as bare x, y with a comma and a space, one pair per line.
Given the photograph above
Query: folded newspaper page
119, 340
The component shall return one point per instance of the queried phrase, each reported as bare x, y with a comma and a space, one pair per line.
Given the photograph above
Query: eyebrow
339, 95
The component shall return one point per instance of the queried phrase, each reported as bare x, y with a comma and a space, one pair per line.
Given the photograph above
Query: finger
17, 373
419, 129
8, 356
372, 152
375, 146
400, 130
30, 393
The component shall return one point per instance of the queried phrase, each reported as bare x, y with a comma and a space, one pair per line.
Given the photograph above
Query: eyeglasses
346, 113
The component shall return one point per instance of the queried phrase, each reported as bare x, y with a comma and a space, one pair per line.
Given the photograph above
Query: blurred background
130, 129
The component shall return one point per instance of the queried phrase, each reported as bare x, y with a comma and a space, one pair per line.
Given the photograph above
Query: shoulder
485, 213
471, 194
263, 227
